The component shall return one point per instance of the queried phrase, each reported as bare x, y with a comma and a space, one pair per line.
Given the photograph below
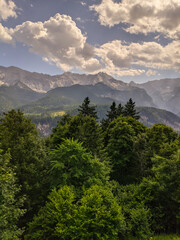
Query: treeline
116, 179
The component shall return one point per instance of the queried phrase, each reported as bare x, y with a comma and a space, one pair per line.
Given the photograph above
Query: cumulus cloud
7, 9
119, 56
58, 40
93, 65
5, 34
141, 16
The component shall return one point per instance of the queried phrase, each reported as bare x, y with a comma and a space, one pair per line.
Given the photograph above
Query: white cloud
92, 66
7, 9
117, 57
142, 16
5, 35
58, 39
83, 3
150, 72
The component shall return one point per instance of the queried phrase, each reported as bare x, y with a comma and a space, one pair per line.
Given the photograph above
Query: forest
90, 179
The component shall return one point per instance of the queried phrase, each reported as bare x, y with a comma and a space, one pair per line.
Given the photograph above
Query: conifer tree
112, 114
130, 110
86, 110
119, 110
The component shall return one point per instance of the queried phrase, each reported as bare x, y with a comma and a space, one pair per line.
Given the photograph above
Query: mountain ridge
161, 93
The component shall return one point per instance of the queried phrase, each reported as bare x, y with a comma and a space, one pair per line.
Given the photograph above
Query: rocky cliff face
44, 82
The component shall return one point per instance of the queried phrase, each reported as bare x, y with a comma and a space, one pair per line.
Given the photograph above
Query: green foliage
119, 142
166, 237
83, 156
28, 158
86, 110
100, 216
73, 165
142, 154
112, 114
83, 128
162, 192
159, 139
120, 149
160, 134
130, 110
10, 203
56, 218
119, 110
95, 216
137, 215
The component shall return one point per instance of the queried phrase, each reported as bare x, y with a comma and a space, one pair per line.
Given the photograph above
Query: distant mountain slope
173, 103
165, 93
150, 116
98, 94
16, 96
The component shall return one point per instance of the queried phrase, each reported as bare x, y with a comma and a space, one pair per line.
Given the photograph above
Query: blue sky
135, 40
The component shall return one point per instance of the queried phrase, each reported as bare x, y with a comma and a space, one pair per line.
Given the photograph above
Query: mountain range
164, 93
42, 93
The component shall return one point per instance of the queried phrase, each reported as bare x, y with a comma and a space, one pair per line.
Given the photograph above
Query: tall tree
86, 110
96, 215
120, 110
161, 191
10, 201
73, 165
19, 135
119, 141
83, 128
120, 150
112, 114
130, 110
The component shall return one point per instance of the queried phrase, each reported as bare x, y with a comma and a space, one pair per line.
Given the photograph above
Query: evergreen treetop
112, 114
86, 110
130, 110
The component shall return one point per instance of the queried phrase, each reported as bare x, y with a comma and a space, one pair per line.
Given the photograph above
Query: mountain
44, 82
16, 96
150, 116
99, 93
165, 93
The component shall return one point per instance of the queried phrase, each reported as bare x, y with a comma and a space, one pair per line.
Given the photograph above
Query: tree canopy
86, 110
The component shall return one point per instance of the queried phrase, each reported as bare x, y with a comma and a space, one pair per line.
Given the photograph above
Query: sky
132, 40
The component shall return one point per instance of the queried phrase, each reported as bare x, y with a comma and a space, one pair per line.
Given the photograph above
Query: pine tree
119, 110
130, 110
86, 110
112, 114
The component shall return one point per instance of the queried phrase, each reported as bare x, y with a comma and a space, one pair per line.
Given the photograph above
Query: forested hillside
114, 179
